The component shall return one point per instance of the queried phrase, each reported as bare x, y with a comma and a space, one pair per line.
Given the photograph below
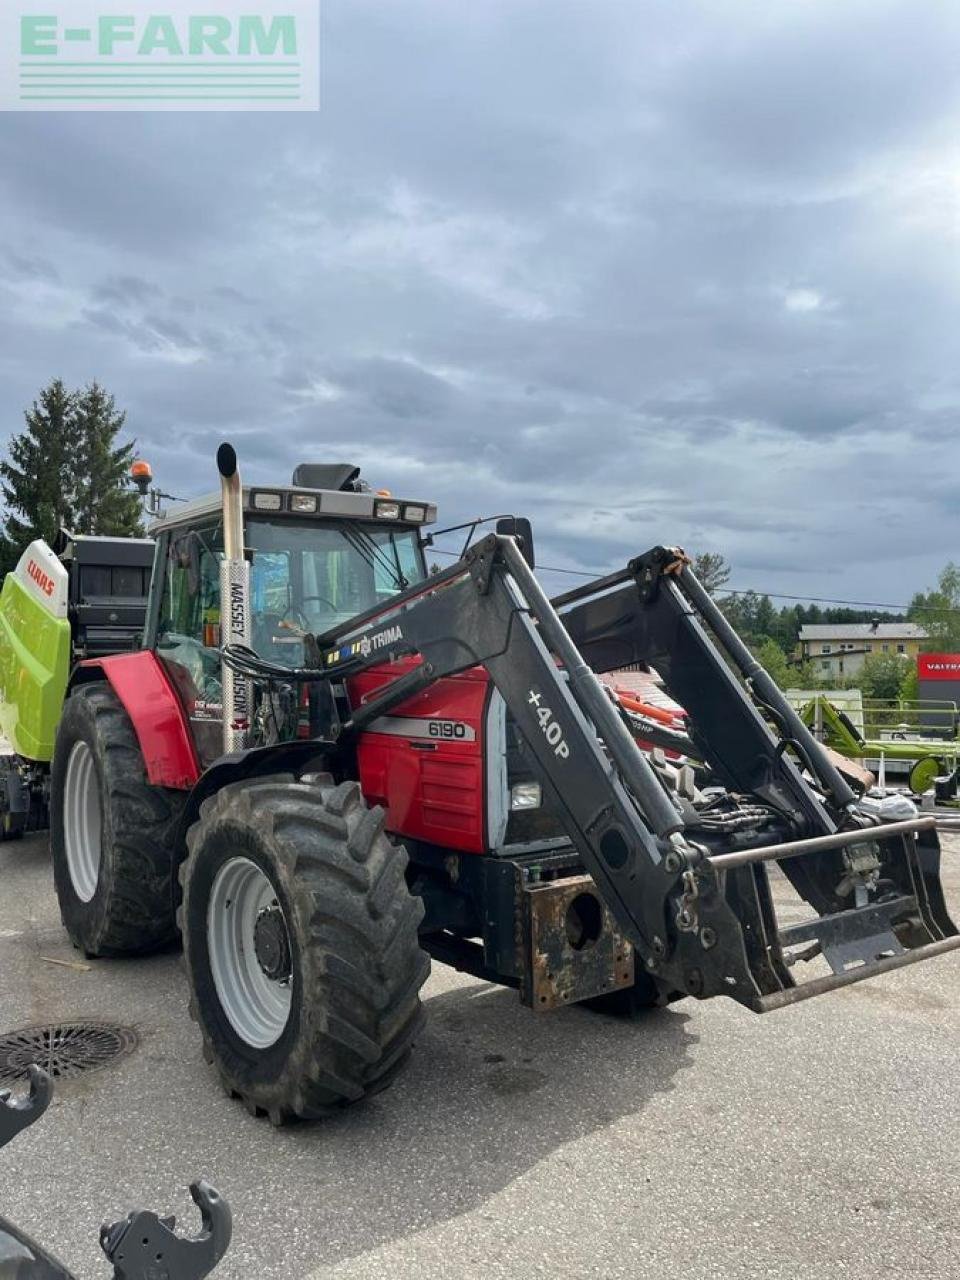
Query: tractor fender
157, 715
309, 755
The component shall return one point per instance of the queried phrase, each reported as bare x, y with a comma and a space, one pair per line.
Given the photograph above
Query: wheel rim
256, 1005
82, 821
923, 775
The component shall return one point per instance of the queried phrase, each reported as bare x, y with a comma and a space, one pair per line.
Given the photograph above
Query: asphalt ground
700, 1141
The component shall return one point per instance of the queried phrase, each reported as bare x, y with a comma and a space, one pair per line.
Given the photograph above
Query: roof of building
863, 631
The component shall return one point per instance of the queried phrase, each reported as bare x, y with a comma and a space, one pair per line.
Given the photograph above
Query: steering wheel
296, 613
323, 600
292, 612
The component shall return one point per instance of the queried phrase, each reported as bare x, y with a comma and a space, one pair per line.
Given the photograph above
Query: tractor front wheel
301, 943
111, 832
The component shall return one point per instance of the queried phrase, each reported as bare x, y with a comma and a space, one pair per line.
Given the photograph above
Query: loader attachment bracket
145, 1247
141, 1246
15, 1116
689, 891
653, 566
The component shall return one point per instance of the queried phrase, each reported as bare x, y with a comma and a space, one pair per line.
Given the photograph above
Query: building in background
839, 649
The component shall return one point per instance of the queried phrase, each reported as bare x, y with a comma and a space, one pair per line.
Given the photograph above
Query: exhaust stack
234, 601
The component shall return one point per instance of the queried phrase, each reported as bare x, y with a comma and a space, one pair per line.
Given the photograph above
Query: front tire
111, 832
301, 944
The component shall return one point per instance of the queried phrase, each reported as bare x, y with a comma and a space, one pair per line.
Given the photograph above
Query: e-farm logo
136, 55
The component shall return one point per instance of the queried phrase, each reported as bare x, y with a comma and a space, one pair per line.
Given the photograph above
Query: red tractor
327, 765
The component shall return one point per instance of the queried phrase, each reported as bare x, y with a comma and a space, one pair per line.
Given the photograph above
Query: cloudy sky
645, 271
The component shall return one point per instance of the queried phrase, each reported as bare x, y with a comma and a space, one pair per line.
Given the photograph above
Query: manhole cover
64, 1049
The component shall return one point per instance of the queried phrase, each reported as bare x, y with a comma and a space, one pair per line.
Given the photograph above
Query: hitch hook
143, 1246
17, 1116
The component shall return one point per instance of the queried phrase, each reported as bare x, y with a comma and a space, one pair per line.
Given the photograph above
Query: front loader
327, 766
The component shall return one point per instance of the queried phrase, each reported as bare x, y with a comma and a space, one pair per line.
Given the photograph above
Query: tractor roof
292, 502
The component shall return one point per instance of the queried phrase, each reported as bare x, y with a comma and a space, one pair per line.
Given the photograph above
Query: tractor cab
318, 556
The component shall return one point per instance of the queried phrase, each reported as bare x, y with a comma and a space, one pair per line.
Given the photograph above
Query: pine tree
36, 479
100, 467
712, 570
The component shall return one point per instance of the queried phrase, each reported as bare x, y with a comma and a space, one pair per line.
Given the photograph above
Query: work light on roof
303, 502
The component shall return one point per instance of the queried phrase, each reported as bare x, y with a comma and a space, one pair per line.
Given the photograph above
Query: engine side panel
141, 684
425, 762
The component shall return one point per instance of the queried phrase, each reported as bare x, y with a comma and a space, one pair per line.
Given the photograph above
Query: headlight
388, 510
303, 502
526, 795
267, 501
415, 514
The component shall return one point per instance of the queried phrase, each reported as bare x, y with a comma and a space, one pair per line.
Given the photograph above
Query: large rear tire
301, 944
111, 832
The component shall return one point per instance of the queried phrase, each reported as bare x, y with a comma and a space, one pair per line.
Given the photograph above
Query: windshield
308, 576
324, 575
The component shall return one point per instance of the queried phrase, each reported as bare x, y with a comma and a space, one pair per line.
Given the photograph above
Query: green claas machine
57, 611
324, 767
934, 758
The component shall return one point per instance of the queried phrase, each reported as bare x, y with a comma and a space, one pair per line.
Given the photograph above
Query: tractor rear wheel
301, 944
111, 832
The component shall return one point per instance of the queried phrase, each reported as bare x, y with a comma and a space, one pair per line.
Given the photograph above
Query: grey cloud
646, 272
125, 290
29, 267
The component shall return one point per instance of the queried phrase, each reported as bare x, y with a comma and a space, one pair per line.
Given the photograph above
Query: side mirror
519, 527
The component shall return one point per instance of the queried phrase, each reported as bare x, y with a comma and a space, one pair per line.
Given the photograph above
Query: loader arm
695, 902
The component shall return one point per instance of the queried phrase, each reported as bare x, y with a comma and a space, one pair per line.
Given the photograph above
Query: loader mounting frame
700, 921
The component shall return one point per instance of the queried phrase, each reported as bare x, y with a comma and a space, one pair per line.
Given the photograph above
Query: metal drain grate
64, 1049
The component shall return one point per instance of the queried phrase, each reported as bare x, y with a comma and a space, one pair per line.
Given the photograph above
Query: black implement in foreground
140, 1247
702, 923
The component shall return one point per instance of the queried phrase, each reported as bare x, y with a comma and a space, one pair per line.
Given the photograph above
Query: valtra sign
938, 666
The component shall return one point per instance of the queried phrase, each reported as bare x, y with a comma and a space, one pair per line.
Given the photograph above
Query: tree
939, 610
711, 570
774, 661
882, 675
910, 689
765, 617
102, 502
36, 479
66, 471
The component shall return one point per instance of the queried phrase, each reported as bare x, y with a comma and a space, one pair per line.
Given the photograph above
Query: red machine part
425, 761
141, 684
665, 711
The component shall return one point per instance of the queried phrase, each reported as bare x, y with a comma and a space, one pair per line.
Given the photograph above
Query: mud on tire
353, 958
118, 898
